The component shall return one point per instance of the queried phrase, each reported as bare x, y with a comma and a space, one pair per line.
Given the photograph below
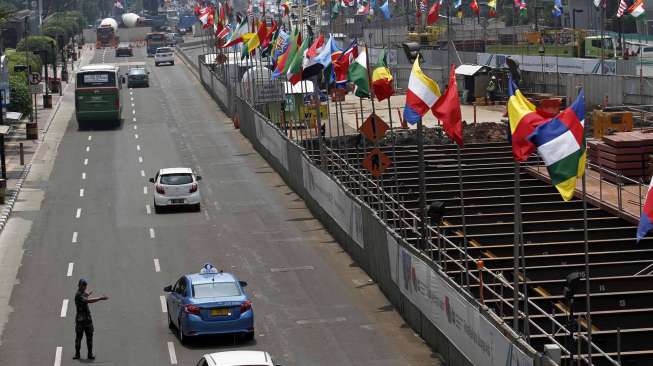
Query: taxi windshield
215, 289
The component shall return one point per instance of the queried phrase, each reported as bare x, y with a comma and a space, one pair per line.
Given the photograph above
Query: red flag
265, 43
434, 13
315, 47
474, 7
447, 109
198, 10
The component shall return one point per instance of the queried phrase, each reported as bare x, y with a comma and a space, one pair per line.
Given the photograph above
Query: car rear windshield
163, 50
96, 78
216, 289
176, 179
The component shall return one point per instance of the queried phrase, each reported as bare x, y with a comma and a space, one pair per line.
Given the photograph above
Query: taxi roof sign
208, 268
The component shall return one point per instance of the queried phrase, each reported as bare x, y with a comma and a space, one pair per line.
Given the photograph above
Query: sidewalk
16, 172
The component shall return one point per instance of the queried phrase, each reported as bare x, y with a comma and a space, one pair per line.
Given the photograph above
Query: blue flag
557, 8
385, 9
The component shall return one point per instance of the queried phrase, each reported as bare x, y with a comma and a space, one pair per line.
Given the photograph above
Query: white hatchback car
237, 358
176, 187
164, 55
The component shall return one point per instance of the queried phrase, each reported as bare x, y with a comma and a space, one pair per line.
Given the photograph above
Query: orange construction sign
376, 162
374, 128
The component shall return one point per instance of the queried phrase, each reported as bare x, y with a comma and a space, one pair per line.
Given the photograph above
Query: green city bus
97, 96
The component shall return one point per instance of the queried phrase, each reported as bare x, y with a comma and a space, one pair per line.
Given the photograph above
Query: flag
118, 5
357, 74
197, 10
312, 66
335, 10
421, 95
268, 41
492, 8
283, 61
385, 10
348, 3
434, 13
458, 3
286, 7
557, 8
363, 9
280, 46
637, 9
622, 8
447, 110
294, 73
316, 47
560, 142
523, 10
599, 3
423, 6
260, 35
523, 119
474, 6
237, 34
206, 17
382, 79
342, 62
223, 36
646, 219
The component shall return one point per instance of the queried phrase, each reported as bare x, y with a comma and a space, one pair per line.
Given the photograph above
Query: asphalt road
313, 305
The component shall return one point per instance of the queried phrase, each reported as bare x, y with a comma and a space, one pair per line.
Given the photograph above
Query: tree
39, 43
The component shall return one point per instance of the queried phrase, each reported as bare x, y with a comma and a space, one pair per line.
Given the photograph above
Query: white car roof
175, 171
240, 358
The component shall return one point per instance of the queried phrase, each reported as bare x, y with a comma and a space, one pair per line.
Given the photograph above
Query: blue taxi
209, 302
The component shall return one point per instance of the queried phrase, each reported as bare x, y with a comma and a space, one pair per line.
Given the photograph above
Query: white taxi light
208, 268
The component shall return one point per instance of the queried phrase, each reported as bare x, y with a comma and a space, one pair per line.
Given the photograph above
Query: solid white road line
90, 137
81, 192
140, 159
69, 273
142, 173
83, 176
171, 351
152, 236
138, 147
136, 136
157, 267
145, 190
75, 237
85, 161
164, 307
64, 308
148, 209
79, 213
88, 148
57, 356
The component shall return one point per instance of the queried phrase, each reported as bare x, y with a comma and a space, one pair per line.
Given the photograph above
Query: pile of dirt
472, 133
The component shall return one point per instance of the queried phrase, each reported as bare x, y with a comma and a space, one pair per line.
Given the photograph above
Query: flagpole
587, 269
462, 214
602, 35
422, 184
515, 248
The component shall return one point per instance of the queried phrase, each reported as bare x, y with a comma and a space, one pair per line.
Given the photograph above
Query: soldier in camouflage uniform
83, 320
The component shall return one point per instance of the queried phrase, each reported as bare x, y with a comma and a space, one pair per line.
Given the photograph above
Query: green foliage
18, 58
37, 43
21, 100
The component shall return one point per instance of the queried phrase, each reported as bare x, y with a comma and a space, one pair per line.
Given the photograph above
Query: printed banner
564, 65
478, 339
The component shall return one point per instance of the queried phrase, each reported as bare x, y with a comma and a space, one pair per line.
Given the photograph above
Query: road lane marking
64, 308
138, 147
85, 161
90, 137
140, 159
133, 112
135, 127
292, 269
133, 105
136, 136
83, 176
88, 148
144, 189
132, 98
142, 173
81, 192
164, 307
148, 209
152, 236
57, 356
69, 273
79, 213
157, 267
75, 237
134, 119
321, 321
171, 352
131, 92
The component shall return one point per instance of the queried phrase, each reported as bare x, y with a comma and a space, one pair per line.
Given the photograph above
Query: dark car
124, 49
138, 76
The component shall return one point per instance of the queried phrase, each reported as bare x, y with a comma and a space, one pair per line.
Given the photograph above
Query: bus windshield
96, 79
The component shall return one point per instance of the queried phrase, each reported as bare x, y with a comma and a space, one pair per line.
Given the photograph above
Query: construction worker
83, 320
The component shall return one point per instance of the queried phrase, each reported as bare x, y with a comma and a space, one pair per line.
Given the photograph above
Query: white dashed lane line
83, 176
148, 209
57, 356
144, 189
74, 237
164, 308
142, 173
81, 192
157, 266
90, 138
134, 119
135, 127
138, 147
171, 352
133, 112
78, 214
85, 161
133, 105
64, 308
140, 159
88, 148
136, 136
152, 235
69, 273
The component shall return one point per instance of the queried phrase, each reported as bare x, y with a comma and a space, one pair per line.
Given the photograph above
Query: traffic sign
374, 128
36, 89
34, 78
376, 162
